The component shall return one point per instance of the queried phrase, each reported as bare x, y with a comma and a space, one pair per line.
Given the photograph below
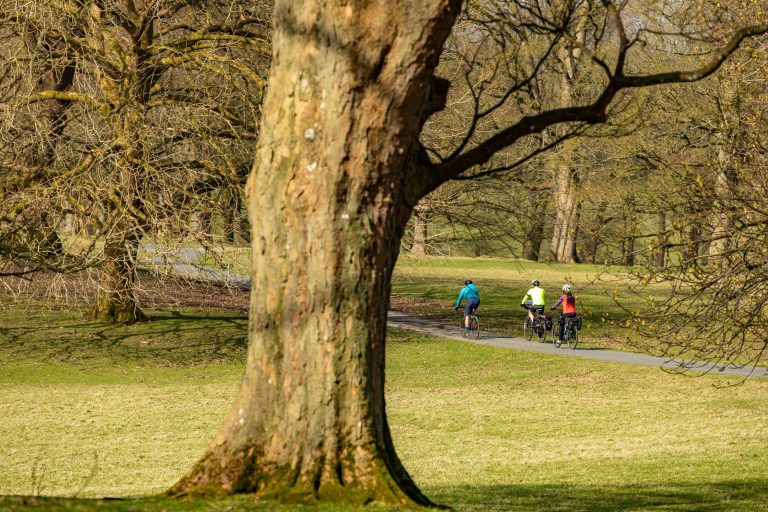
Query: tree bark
534, 225
723, 214
338, 139
236, 226
420, 220
566, 203
116, 301
565, 177
126, 212
329, 196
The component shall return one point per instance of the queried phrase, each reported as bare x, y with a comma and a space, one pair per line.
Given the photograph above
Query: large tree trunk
338, 137
126, 207
116, 300
564, 175
565, 183
723, 214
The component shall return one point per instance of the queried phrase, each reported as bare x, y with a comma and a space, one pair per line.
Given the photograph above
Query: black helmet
535, 282
468, 281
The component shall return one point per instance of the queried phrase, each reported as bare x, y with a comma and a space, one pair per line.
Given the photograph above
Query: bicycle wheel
527, 328
573, 338
556, 335
474, 327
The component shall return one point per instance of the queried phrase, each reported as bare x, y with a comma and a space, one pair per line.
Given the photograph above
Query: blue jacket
468, 292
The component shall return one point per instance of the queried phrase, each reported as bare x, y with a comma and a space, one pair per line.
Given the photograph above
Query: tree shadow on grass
728, 495
175, 338
237, 503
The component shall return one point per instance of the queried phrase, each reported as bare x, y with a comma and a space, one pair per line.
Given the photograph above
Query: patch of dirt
427, 308
162, 292
159, 292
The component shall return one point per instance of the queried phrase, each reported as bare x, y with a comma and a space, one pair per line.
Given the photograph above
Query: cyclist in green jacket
536, 297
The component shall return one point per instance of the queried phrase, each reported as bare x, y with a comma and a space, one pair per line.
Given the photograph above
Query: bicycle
536, 326
474, 325
570, 333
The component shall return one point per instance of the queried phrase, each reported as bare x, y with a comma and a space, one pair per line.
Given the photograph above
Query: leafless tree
717, 309
125, 122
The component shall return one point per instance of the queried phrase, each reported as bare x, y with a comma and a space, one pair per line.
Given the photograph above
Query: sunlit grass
164, 504
495, 429
94, 411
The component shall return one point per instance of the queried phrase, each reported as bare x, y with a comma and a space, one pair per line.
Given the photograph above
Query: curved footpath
186, 264
431, 327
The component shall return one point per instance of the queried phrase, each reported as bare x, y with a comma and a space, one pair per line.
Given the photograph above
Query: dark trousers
561, 321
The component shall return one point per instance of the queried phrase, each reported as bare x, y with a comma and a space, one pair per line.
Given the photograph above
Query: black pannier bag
548, 322
578, 322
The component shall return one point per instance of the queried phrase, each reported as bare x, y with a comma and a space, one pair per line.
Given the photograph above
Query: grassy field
428, 286
607, 298
92, 410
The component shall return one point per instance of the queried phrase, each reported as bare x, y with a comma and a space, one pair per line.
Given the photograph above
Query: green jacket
536, 295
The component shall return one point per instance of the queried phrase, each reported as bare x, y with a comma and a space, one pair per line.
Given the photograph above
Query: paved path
438, 328
185, 262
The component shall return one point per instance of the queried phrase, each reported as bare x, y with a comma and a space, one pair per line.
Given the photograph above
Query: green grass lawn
91, 410
494, 429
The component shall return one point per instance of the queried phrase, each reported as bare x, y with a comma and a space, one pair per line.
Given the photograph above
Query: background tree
148, 122
475, 217
716, 310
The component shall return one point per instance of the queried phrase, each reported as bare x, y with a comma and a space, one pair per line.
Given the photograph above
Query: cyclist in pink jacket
568, 300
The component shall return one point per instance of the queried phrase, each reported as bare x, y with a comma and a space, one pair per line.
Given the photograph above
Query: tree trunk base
220, 473
116, 314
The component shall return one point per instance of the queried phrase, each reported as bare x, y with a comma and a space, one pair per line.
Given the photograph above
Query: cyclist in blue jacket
470, 293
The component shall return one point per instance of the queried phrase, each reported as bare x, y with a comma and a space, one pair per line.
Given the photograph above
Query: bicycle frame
569, 334
537, 324
474, 323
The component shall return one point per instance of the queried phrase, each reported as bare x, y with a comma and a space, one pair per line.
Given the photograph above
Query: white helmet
566, 288
535, 282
